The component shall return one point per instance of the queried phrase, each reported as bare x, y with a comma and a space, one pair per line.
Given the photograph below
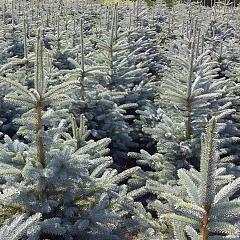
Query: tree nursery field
119, 121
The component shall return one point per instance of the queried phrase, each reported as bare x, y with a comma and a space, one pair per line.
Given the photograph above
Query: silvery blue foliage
200, 204
102, 111
21, 228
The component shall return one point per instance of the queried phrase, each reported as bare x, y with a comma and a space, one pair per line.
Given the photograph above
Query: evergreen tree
202, 206
20, 228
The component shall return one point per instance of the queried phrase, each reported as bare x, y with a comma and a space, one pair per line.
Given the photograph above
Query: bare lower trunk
204, 226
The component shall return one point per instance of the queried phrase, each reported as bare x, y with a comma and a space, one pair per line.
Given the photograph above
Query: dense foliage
119, 121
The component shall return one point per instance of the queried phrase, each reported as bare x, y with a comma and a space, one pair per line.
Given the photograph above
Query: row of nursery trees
119, 122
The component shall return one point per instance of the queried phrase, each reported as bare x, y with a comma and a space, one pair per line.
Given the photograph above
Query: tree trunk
39, 141
204, 225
